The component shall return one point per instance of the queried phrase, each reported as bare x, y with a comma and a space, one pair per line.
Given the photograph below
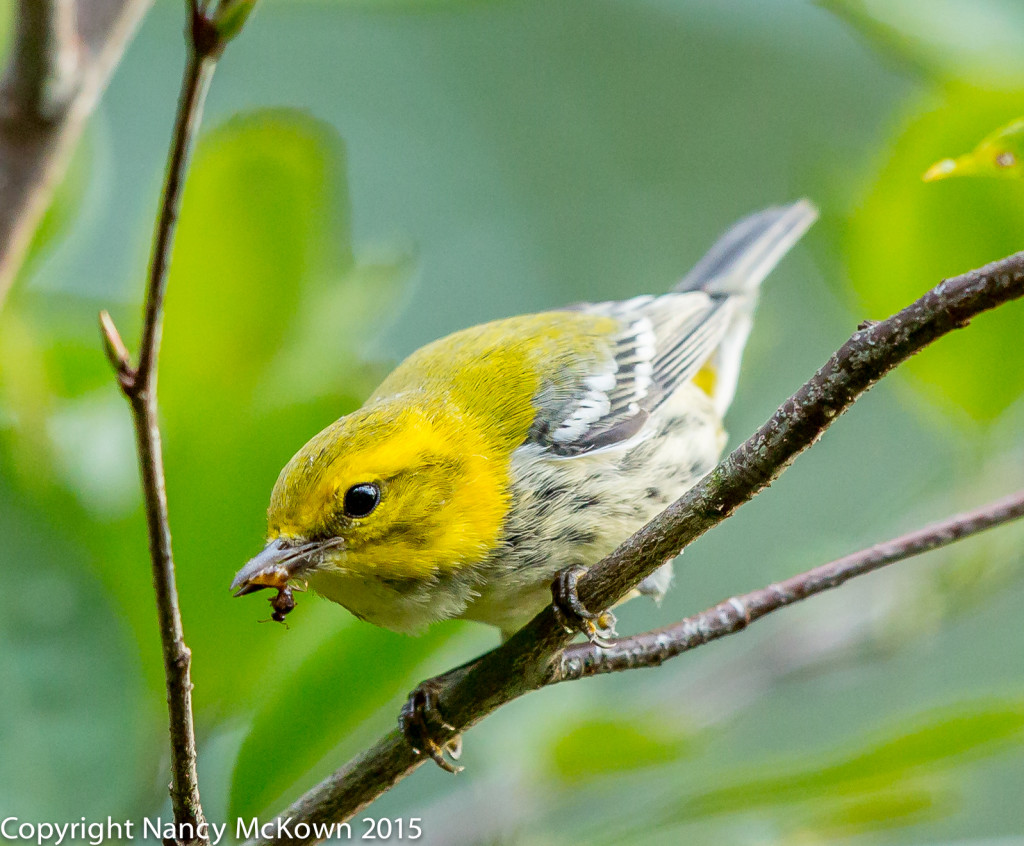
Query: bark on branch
653, 648
537, 655
138, 384
61, 57
43, 73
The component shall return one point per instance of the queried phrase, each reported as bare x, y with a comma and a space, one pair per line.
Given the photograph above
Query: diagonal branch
655, 647
61, 57
529, 660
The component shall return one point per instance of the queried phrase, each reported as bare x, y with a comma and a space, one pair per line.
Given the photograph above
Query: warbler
492, 459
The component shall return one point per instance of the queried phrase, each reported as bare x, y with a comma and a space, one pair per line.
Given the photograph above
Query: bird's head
389, 491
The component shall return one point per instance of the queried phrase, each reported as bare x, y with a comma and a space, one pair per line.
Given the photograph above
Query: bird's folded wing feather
664, 341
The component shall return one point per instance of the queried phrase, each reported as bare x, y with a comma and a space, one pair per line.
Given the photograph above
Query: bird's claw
573, 616
421, 722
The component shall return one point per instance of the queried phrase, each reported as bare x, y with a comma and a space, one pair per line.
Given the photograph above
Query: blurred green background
373, 175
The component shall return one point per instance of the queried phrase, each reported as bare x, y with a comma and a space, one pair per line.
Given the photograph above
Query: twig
529, 659
43, 72
61, 57
139, 386
864, 359
653, 648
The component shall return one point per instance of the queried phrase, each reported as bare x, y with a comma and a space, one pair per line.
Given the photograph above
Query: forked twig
138, 383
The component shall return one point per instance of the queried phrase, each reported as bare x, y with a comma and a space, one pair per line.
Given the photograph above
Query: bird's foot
426, 730
573, 616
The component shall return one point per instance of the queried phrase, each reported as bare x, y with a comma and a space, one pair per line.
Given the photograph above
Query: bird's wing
663, 342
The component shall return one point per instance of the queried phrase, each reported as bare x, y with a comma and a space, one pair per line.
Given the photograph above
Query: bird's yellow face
385, 492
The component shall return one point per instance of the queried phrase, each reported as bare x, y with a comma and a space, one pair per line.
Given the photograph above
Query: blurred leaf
981, 41
906, 236
981, 728
263, 265
65, 204
6, 20
64, 654
263, 262
878, 812
231, 16
904, 50
399, 5
349, 678
999, 154
597, 747
342, 320
265, 214
26, 400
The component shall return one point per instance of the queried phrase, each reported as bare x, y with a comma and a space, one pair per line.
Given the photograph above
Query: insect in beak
275, 566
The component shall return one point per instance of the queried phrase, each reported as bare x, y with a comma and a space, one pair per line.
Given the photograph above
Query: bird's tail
734, 268
741, 259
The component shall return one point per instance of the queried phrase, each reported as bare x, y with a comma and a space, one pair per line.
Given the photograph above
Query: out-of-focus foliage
519, 156
913, 749
998, 154
265, 221
907, 231
981, 40
613, 744
64, 206
278, 752
230, 17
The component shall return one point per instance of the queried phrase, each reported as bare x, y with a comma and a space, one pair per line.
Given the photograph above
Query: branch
43, 72
61, 57
139, 386
529, 660
653, 648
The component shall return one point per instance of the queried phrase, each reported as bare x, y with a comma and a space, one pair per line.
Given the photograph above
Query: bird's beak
274, 566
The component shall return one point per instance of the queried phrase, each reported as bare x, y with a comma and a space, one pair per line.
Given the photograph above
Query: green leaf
907, 235
64, 654
398, 6
262, 264
267, 311
957, 39
887, 40
597, 747
231, 16
348, 679
878, 812
931, 741
1000, 153
265, 214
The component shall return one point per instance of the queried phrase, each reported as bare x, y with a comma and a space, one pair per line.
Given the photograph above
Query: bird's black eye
360, 500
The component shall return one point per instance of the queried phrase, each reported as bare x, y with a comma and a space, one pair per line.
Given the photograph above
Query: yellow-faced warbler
494, 458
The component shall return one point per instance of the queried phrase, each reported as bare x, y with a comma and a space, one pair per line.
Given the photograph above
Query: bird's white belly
565, 511
577, 510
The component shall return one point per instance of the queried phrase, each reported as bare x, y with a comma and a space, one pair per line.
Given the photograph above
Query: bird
496, 458
492, 467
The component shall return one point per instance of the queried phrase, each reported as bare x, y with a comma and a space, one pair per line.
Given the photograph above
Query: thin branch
864, 359
43, 72
61, 58
139, 386
653, 648
190, 110
529, 660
